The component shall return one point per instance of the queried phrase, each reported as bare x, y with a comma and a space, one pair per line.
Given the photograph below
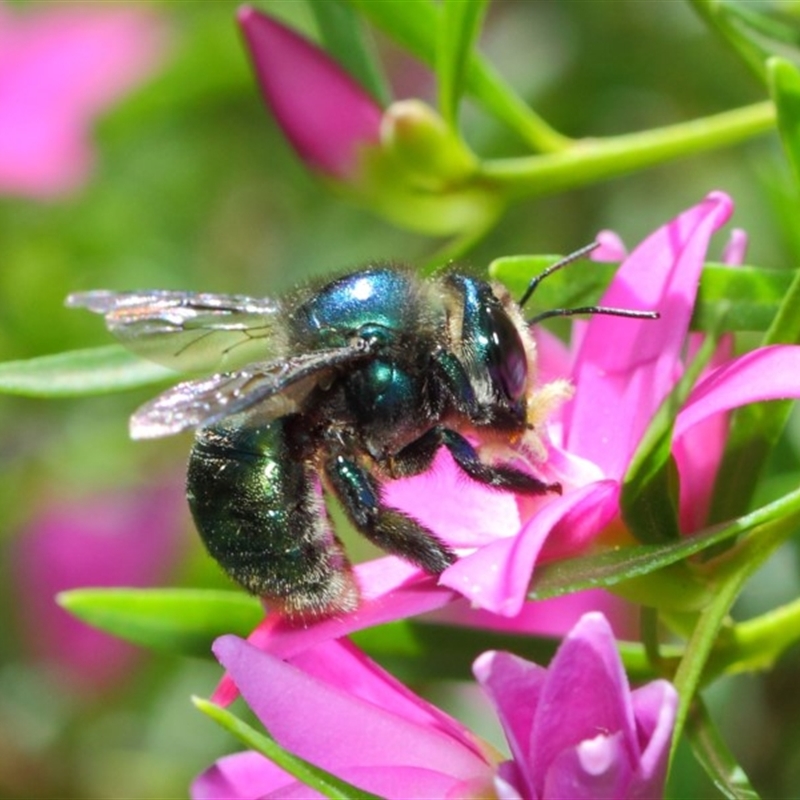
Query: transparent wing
189, 332
278, 385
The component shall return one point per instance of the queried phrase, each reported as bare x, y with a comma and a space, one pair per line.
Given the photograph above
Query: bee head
497, 352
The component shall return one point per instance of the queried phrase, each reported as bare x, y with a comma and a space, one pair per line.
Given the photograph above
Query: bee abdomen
260, 513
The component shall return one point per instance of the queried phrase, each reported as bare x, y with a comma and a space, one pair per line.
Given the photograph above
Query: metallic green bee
340, 387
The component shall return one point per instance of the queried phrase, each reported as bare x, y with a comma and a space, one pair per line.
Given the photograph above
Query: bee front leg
467, 458
388, 528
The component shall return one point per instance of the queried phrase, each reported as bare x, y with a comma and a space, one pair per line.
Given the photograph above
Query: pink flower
622, 369
324, 113
60, 66
574, 729
124, 538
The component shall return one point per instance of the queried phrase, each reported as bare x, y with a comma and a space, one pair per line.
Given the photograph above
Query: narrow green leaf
343, 37
179, 620
96, 370
730, 298
626, 564
459, 27
783, 79
717, 17
411, 23
756, 428
327, 784
715, 757
649, 496
414, 25
651, 486
728, 576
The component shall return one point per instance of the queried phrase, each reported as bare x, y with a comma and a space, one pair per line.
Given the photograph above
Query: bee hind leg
388, 528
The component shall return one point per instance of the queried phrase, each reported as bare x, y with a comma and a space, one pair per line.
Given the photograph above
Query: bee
339, 389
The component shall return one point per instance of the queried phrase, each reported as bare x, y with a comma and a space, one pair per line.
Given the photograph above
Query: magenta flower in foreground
575, 730
621, 369
61, 65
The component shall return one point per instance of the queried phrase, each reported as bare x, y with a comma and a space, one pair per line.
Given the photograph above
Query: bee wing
278, 385
186, 331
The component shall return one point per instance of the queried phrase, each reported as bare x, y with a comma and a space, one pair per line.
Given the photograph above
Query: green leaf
179, 620
415, 650
325, 783
651, 486
459, 27
343, 38
715, 757
784, 83
730, 298
756, 428
639, 567
95, 370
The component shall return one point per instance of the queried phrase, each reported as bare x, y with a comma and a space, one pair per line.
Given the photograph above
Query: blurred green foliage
196, 189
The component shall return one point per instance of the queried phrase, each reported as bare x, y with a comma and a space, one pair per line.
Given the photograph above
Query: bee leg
388, 528
466, 456
257, 504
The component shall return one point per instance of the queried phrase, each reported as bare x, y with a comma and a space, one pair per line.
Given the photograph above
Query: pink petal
554, 358
586, 692
514, 686
497, 576
626, 367
554, 617
699, 452
655, 706
583, 522
323, 112
611, 248
339, 663
594, 769
464, 513
769, 373
332, 728
239, 777
736, 248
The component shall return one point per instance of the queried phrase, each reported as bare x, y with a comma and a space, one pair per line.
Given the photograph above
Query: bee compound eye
508, 363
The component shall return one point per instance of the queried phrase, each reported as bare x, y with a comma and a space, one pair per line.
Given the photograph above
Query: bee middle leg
388, 528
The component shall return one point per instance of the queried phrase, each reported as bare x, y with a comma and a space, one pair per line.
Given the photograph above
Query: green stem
496, 96
729, 573
759, 642
593, 160
713, 13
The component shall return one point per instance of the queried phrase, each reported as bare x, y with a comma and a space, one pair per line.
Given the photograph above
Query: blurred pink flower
61, 65
574, 729
402, 162
117, 539
326, 116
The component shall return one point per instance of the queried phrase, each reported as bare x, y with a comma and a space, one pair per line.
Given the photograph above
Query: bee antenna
612, 312
537, 279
